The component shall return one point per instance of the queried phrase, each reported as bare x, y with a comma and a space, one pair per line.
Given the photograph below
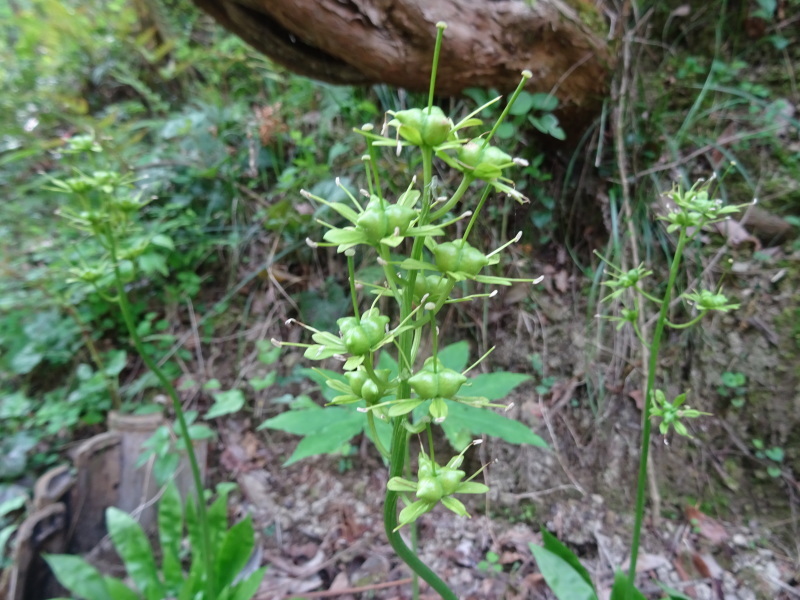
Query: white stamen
289, 322
364, 193
382, 262
493, 294
305, 194
276, 343
311, 243
350, 252
430, 306
509, 407
368, 127
365, 157
338, 181
521, 162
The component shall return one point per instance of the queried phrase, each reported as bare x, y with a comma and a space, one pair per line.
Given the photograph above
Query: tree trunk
487, 43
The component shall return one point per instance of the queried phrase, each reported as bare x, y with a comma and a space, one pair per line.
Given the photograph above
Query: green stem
399, 444
641, 487
688, 324
447, 206
399, 448
351, 273
475, 214
127, 316
440, 27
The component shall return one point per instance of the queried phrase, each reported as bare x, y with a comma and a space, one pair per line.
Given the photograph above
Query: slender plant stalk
127, 316
399, 447
655, 344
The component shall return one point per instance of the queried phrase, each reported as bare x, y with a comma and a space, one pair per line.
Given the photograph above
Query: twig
344, 592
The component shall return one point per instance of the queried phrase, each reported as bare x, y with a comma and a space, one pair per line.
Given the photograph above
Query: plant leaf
307, 421
225, 403
234, 552
496, 386
565, 582
247, 588
455, 356
328, 439
170, 534
132, 546
479, 421
78, 576
118, 590
623, 589
554, 545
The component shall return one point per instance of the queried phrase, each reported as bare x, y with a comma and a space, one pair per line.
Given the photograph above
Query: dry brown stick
344, 592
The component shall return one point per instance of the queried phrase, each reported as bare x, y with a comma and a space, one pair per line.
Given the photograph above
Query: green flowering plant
692, 210
105, 206
423, 262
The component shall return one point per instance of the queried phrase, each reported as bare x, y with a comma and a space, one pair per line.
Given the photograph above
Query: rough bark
487, 43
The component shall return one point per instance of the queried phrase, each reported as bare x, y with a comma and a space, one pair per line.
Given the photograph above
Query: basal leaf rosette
436, 484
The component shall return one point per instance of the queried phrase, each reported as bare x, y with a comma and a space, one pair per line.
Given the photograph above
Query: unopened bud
430, 306
311, 243
276, 343
368, 127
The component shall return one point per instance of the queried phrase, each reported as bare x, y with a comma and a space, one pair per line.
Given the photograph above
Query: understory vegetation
167, 193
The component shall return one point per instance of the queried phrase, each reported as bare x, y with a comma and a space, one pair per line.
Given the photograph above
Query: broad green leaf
522, 104
306, 422
480, 421
118, 590
565, 582
384, 430
329, 439
132, 546
554, 545
116, 362
152, 263
234, 552
170, 533
495, 386
263, 383
623, 589
245, 590
78, 576
455, 356
225, 403
544, 102
672, 593
195, 537
163, 241
218, 518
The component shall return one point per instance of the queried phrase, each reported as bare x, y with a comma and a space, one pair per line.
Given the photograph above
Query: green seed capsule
425, 384
450, 479
486, 163
429, 489
459, 256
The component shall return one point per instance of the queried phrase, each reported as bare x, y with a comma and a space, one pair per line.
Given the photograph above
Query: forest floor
723, 525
